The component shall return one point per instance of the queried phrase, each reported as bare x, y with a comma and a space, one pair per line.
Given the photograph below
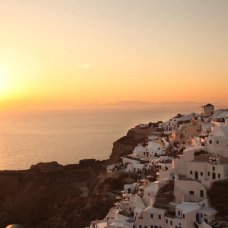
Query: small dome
139, 149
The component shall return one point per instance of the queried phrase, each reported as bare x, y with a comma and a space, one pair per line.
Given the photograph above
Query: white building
176, 121
186, 212
208, 168
140, 151
156, 148
180, 164
151, 217
220, 117
186, 132
187, 190
217, 141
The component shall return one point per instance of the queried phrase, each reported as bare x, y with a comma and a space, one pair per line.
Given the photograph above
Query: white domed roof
139, 149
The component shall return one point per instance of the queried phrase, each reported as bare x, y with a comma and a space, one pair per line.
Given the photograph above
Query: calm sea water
68, 136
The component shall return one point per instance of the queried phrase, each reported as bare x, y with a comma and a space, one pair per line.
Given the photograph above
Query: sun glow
63, 54
3, 83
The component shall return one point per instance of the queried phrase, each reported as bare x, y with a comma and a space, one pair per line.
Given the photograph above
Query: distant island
141, 104
163, 174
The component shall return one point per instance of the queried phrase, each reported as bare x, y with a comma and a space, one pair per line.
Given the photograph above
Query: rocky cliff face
56, 196
51, 195
126, 145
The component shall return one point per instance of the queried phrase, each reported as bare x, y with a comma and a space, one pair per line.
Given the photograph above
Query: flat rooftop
205, 158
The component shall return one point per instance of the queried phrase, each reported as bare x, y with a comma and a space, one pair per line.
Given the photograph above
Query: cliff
52, 195
47, 195
126, 144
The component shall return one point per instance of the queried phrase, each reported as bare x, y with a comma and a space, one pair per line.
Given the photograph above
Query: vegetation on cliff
218, 197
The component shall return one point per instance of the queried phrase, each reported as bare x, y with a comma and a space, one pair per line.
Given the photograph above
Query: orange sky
61, 54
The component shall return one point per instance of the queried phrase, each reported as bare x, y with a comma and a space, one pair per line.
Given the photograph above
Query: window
201, 173
152, 227
213, 176
151, 215
166, 221
217, 142
210, 141
190, 172
208, 173
219, 175
179, 213
183, 216
140, 226
191, 193
201, 193
171, 222
145, 226
213, 168
159, 217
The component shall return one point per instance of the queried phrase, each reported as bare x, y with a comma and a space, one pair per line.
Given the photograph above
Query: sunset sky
67, 53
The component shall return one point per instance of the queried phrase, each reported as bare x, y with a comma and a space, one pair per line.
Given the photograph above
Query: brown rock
46, 167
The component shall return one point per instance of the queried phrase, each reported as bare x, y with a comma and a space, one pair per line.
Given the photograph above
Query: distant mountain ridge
140, 104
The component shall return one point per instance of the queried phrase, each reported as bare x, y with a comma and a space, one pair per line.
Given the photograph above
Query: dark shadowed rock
218, 197
87, 162
9, 184
52, 195
46, 167
125, 146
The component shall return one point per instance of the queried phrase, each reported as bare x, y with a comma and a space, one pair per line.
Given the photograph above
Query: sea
69, 136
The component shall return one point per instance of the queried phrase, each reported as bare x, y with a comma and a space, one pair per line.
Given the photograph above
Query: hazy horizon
121, 105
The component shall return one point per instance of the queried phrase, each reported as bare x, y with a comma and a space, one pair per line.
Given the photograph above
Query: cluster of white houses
178, 198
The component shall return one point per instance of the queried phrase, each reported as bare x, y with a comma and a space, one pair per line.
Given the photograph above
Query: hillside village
177, 168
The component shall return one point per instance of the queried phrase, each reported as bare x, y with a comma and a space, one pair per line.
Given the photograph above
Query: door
213, 176
196, 175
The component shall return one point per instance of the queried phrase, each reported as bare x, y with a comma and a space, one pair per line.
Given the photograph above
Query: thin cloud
86, 66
